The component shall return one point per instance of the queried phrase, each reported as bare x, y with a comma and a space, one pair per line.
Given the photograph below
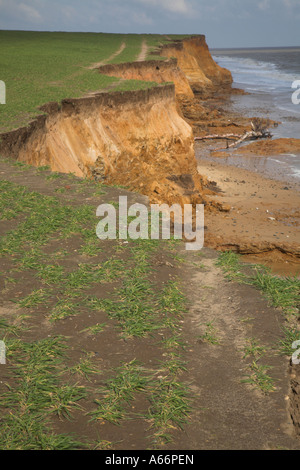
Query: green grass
133, 307
65, 308
50, 274
29, 432
85, 367
94, 329
282, 292
291, 334
8, 329
34, 299
210, 335
231, 266
170, 406
260, 378
37, 395
133, 47
31, 233
39, 67
119, 392
45, 386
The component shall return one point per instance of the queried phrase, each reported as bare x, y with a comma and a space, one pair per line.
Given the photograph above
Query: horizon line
154, 34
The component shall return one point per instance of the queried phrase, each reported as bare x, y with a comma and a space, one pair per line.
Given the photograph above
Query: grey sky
226, 23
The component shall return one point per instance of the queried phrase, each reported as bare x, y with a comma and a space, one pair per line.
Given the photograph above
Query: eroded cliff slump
195, 60
138, 138
152, 70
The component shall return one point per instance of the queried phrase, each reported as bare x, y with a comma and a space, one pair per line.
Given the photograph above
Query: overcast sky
226, 23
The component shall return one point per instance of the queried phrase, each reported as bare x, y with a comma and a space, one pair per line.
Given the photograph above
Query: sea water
267, 74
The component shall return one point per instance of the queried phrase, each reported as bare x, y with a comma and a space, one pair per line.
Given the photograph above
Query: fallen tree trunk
217, 136
251, 135
259, 131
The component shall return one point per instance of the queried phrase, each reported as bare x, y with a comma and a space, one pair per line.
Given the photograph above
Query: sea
268, 75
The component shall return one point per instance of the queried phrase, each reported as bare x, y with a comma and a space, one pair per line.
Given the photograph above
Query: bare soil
144, 52
263, 222
226, 413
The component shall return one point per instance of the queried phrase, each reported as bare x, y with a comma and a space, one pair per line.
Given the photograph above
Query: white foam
270, 89
265, 73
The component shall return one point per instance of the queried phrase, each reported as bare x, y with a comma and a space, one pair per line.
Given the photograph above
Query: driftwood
217, 136
259, 131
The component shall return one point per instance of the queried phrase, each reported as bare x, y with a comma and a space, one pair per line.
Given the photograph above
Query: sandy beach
263, 222
254, 181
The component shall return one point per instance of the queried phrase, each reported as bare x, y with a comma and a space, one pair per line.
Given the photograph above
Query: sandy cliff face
198, 48
155, 71
136, 139
195, 60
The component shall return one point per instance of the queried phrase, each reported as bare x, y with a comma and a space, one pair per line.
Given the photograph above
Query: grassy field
39, 67
280, 292
98, 352
91, 327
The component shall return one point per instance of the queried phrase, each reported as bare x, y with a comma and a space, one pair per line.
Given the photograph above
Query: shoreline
264, 198
197, 102
263, 223
269, 167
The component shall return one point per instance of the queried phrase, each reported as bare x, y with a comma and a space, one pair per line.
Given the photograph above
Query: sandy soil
263, 220
229, 414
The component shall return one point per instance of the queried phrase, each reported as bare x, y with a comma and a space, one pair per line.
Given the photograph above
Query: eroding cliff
195, 60
136, 139
152, 70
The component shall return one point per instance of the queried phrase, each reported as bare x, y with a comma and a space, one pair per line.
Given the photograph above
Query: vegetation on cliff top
39, 67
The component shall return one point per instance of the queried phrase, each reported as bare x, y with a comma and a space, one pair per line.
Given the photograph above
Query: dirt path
144, 52
112, 57
230, 414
